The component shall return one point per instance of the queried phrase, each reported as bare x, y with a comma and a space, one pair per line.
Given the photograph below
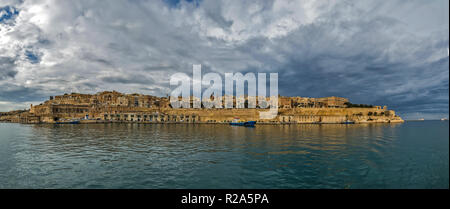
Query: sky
390, 52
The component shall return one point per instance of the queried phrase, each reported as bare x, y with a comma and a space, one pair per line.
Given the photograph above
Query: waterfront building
112, 106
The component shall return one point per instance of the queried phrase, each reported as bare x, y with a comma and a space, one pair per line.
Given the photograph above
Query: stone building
112, 106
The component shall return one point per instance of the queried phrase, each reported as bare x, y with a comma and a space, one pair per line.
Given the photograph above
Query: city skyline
392, 53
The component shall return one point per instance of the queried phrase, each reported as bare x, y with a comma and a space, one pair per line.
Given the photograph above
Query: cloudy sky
391, 52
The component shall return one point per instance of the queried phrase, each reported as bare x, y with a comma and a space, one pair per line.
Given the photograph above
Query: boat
68, 122
237, 122
348, 122
444, 119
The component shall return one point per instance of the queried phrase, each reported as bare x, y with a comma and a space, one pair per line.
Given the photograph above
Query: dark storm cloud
89, 57
7, 68
317, 63
14, 93
128, 79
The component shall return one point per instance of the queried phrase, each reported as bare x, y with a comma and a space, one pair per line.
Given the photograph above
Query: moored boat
237, 122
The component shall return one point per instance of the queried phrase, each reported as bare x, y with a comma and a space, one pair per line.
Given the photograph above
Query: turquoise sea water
409, 155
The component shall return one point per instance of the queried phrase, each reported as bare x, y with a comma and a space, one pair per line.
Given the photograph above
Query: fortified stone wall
117, 107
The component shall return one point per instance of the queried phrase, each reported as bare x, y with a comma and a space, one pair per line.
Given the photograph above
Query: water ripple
410, 155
